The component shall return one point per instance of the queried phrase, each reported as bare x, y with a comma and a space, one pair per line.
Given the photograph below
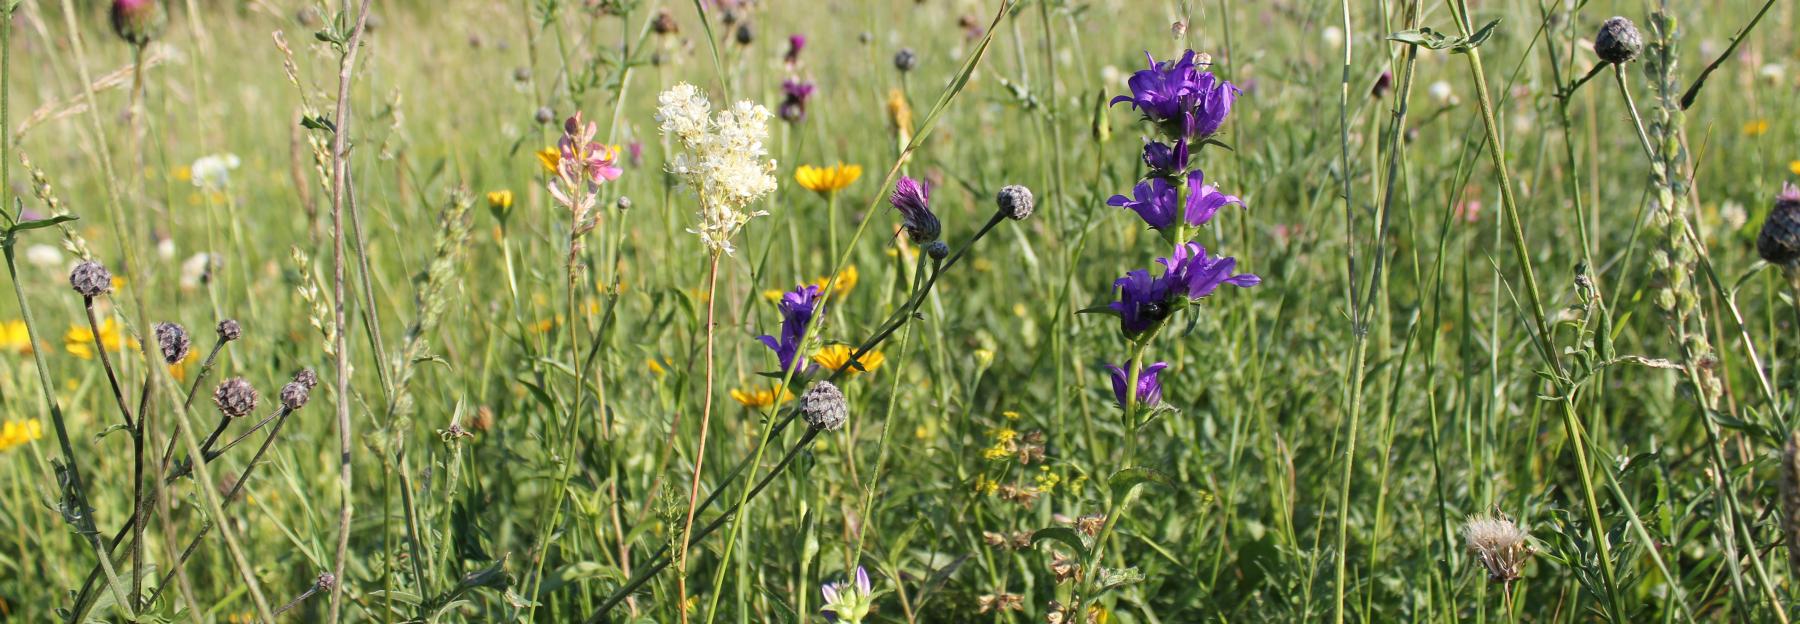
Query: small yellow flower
837, 357
900, 113
1794, 167
825, 180
773, 295
846, 281
1046, 480
500, 200
14, 337
1010, 415
654, 367
984, 485
549, 157
20, 432
760, 397
984, 357
996, 452
1756, 127
80, 340
184, 174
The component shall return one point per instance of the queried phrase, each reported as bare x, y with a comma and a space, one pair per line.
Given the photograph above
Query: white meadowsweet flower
723, 160
213, 171
44, 256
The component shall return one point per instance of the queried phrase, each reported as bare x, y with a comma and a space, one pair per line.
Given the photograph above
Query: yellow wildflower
184, 174
549, 157
984, 485
501, 200
180, 369
846, 281
836, 357
1794, 167
1046, 480
654, 367
19, 432
760, 397
826, 180
1010, 415
80, 340
773, 295
15, 338
984, 357
1756, 127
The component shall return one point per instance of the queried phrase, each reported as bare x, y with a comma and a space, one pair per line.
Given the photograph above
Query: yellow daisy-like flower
20, 432
549, 157
1794, 167
1756, 127
837, 357
654, 367
180, 369
501, 200
846, 281
827, 179
760, 397
14, 337
80, 340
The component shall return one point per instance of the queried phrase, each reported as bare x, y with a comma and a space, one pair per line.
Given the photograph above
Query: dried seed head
229, 330
235, 397
1779, 241
90, 279
1499, 544
173, 339
294, 395
906, 60
823, 406
745, 36
1618, 41
937, 249
307, 377
624, 203
1015, 202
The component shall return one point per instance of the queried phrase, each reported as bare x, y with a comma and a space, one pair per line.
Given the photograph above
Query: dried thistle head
1779, 240
235, 397
229, 330
1618, 41
823, 406
307, 377
1499, 543
173, 340
294, 395
90, 279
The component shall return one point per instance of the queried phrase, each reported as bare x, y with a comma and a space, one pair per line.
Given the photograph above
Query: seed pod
1015, 202
235, 397
294, 395
229, 330
1779, 241
823, 406
173, 340
906, 60
1618, 41
90, 279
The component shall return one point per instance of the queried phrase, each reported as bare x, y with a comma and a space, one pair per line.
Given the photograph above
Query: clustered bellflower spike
1154, 200
797, 308
848, 601
1179, 98
1189, 275
1149, 391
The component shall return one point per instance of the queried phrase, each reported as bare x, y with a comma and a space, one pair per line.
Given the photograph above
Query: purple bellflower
797, 308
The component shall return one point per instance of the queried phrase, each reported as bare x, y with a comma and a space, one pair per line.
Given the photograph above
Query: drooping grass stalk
706, 401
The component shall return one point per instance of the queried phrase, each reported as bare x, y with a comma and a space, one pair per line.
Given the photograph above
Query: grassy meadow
397, 311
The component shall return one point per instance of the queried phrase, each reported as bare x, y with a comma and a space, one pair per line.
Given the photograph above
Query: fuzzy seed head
1499, 544
173, 339
229, 330
824, 407
90, 279
1618, 41
1779, 241
1015, 202
294, 395
235, 397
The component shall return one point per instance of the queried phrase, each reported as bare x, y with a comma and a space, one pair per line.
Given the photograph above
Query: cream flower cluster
722, 160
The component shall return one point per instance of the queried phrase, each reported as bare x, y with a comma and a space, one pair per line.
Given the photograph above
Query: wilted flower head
172, 340
1499, 544
235, 397
1149, 391
1779, 241
823, 406
1618, 41
137, 21
913, 199
90, 279
797, 308
849, 601
1181, 99
722, 160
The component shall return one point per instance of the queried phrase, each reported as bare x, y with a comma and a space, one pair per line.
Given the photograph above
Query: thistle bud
294, 395
307, 377
235, 397
1618, 41
745, 36
937, 249
544, 115
624, 203
137, 21
906, 60
1779, 241
1015, 202
665, 24
90, 279
229, 330
173, 340
823, 406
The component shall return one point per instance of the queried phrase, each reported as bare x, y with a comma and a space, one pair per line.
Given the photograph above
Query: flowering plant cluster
722, 160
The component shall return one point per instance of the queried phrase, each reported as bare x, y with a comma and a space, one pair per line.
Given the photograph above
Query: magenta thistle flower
797, 308
913, 199
796, 43
793, 104
1149, 391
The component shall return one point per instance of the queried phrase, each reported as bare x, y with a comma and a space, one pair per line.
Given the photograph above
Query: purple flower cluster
793, 103
1154, 200
1178, 97
797, 308
1189, 275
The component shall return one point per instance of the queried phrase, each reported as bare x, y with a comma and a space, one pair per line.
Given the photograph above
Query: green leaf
1122, 482
1067, 536
1434, 40
43, 223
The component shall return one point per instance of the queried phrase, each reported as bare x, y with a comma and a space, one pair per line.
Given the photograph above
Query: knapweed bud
664, 24
1015, 202
745, 36
1618, 41
294, 395
326, 581
173, 340
137, 21
624, 203
308, 377
90, 279
823, 406
937, 249
229, 330
905, 60
1779, 241
235, 397
521, 74
544, 115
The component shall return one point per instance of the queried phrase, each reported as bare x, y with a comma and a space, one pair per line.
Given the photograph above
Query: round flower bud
905, 60
1779, 241
664, 24
937, 249
745, 36
173, 339
90, 279
229, 330
307, 377
235, 397
624, 203
544, 115
823, 406
294, 395
1618, 41
1015, 202
865, 37
137, 21
326, 581
521, 74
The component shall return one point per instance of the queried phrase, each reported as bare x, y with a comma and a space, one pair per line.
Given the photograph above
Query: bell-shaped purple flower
1149, 391
1164, 160
1192, 274
1153, 200
1204, 200
1210, 106
1141, 301
1179, 97
797, 308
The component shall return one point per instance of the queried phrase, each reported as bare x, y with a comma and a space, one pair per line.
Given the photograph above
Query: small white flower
1774, 72
213, 171
194, 269
1442, 92
44, 256
1733, 215
1334, 36
722, 160
165, 248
